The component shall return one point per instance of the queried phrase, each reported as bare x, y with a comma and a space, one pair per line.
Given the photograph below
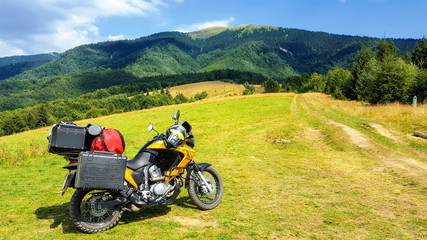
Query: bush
387, 81
249, 89
180, 98
316, 83
200, 96
420, 86
338, 94
271, 86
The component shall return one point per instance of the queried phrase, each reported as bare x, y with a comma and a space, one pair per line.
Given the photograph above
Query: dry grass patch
214, 89
404, 118
386, 132
196, 222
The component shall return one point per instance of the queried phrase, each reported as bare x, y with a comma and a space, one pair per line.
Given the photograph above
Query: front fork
198, 168
205, 182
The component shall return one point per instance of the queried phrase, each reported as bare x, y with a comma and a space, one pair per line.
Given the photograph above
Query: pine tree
364, 56
41, 115
419, 55
386, 49
337, 78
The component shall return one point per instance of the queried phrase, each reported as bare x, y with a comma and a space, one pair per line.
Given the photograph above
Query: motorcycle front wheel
88, 216
199, 193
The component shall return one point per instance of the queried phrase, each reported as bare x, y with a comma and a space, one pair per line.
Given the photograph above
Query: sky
40, 26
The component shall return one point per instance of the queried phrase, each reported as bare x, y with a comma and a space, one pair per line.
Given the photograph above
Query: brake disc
95, 208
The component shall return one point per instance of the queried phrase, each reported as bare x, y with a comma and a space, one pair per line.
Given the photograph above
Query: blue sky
40, 26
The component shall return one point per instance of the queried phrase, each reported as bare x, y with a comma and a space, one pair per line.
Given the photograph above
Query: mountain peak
212, 31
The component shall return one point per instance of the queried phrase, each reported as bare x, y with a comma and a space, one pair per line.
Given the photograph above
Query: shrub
249, 89
271, 86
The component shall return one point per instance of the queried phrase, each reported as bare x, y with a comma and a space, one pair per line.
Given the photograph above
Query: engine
155, 173
159, 188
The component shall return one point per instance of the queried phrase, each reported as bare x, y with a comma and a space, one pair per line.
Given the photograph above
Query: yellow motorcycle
108, 184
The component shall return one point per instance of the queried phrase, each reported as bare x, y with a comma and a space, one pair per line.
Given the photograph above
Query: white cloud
116, 37
7, 50
58, 25
198, 26
125, 7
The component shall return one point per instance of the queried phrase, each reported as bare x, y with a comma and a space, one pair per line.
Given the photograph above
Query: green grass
320, 186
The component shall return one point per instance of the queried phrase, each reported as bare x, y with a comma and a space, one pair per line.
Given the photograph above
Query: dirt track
388, 156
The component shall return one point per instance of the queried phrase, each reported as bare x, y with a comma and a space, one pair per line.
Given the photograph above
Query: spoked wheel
199, 193
87, 214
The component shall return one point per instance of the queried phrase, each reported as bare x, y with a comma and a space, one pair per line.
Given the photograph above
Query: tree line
115, 99
83, 108
23, 93
379, 75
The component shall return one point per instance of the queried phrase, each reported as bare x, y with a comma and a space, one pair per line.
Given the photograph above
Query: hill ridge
305, 44
271, 51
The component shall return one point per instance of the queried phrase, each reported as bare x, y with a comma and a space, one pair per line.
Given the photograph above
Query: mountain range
270, 51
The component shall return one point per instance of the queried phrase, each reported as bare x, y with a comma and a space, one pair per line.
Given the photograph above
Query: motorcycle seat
142, 159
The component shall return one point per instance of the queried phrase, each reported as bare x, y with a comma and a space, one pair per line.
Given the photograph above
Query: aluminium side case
101, 170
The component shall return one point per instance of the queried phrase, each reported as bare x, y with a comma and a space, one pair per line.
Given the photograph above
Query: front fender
200, 166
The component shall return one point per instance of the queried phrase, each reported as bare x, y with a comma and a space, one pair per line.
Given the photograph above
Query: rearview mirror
150, 127
176, 116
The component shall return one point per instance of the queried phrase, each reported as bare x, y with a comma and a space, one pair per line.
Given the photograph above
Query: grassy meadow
322, 185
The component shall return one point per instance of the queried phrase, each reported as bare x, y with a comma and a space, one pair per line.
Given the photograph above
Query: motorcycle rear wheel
87, 217
198, 193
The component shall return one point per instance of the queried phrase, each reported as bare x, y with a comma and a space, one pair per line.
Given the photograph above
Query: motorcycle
154, 176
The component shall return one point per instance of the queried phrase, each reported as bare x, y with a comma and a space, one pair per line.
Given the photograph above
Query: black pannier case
101, 170
67, 139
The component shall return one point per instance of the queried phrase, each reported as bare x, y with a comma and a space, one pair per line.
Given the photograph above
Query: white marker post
414, 101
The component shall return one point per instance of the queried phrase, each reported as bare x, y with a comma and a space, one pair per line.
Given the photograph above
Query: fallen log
420, 134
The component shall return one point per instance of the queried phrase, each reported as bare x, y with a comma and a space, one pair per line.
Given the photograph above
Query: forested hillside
30, 58
272, 52
175, 52
11, 66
